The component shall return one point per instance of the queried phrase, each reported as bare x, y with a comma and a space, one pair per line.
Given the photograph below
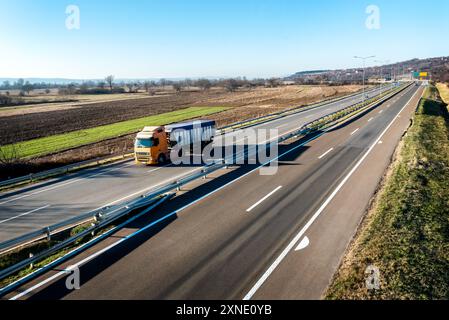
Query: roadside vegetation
443, 88
72, 130
406, 233
57, 143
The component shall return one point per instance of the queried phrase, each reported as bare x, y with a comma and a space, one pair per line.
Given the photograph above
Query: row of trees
21, 84
109, 85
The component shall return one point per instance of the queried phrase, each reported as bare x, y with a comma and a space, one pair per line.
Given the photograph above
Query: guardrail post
93, 231
48, 233
31, 264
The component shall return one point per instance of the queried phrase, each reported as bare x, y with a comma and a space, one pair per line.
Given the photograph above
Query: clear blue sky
194, 38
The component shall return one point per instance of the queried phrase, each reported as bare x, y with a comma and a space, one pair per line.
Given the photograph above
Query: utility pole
382, 62
364, 65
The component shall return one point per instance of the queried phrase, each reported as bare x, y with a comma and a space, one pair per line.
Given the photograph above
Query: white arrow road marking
295, 240
303, 244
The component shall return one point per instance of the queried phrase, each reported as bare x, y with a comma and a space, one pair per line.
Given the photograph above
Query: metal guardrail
105, 216
281, 114
99, 221
59, 171
230, 128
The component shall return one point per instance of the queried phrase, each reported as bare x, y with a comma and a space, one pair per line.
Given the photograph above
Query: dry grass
32, 122
443, 88
405, 234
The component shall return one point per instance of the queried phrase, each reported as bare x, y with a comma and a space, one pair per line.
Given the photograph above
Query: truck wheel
161, 159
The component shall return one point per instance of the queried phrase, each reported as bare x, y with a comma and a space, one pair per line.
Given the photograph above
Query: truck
153, 145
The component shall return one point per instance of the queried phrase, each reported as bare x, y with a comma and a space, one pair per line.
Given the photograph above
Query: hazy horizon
177, 40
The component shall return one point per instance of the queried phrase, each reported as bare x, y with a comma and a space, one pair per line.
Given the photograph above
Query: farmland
36, 121
59, 142
54, 134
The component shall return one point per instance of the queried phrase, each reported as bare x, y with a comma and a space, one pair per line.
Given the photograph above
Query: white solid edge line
370, 119
179, 210
284, 253
263, 199
76, 265
24, 214
113, 169
326, 153
59, 185
64, 271
149, 188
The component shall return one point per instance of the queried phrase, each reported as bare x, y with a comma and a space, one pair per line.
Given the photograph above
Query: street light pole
364, 64
382, 62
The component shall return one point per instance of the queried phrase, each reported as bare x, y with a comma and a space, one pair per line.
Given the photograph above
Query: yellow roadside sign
423, 74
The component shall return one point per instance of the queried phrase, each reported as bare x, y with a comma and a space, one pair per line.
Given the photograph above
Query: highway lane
32, 208
217, 249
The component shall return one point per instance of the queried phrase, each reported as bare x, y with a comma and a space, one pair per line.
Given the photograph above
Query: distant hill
312, 72
437, 67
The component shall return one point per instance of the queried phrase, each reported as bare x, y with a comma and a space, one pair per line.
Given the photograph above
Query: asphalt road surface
44, 204
246, 235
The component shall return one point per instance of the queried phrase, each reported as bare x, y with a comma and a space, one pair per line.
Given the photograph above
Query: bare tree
231, 85
177, 86
163, 82
133, 87
27, 87
9, 155
110, 81
273, 82
204, 84
101, 84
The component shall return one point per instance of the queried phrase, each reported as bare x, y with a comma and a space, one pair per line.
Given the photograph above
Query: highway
244, 235
37, 206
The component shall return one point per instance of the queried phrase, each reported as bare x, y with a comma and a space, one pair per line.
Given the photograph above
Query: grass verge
406, 233
443, 88
48, 145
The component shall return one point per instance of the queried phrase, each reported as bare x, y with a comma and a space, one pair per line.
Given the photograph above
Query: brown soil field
24, 123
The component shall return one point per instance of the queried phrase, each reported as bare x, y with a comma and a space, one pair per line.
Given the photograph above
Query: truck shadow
164, 215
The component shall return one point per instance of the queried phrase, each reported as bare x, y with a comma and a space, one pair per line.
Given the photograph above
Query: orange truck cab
154, 144
151, 146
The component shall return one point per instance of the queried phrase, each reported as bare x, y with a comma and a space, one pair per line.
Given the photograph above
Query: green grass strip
61, 142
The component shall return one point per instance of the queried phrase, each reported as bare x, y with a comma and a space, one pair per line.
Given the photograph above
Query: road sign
423, 74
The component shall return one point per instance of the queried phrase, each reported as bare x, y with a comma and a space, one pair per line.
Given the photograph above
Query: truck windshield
144, 143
